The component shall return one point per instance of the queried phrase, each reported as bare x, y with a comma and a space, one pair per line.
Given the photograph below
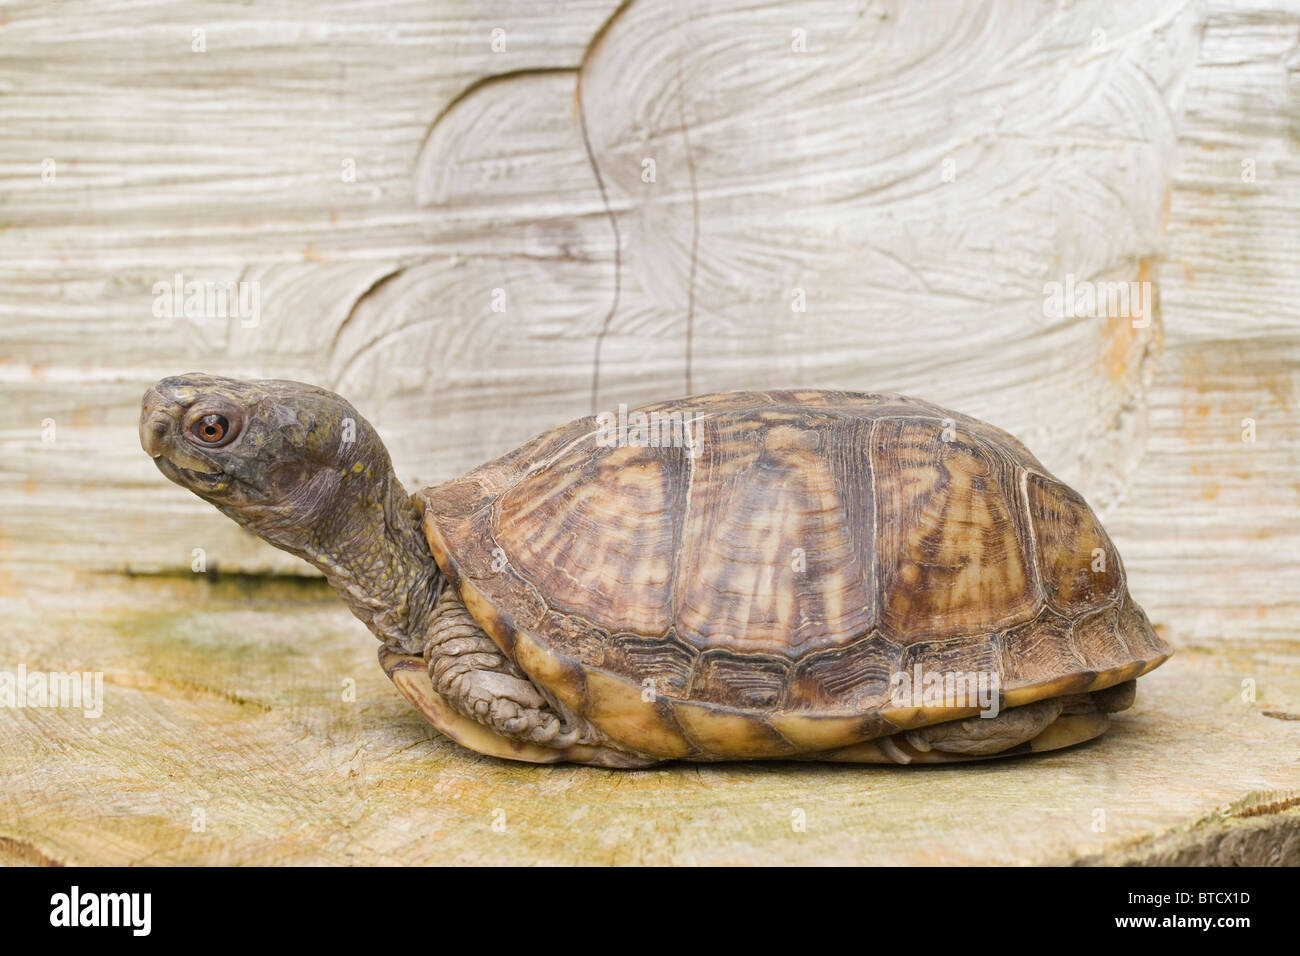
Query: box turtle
802, 574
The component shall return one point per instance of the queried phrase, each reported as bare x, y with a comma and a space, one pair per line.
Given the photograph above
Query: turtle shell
744, 574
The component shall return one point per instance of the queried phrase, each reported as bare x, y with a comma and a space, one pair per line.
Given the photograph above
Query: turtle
793, 574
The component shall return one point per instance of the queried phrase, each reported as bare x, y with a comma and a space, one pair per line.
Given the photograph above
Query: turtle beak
157, 418
161, 412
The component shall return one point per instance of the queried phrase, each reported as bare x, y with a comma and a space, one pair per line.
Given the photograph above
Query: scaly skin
298, 466
304, 471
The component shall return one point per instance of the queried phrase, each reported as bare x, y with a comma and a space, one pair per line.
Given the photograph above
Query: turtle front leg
410, 674
480, 698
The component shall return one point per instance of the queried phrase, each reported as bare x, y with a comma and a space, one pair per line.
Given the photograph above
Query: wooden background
915, 171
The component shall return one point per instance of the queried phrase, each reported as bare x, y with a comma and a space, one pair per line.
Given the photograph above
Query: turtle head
268, 454
297, 465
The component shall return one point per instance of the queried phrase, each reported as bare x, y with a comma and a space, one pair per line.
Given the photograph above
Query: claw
892, 750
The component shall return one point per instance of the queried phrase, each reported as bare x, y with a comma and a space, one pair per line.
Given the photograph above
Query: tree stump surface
479, 221
229, 735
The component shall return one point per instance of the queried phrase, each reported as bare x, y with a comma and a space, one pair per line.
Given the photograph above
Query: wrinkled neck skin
366, 539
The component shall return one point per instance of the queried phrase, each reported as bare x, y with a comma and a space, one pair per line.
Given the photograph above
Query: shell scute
952, 555
754, 591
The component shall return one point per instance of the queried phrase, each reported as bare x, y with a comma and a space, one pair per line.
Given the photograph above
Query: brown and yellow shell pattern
752, 594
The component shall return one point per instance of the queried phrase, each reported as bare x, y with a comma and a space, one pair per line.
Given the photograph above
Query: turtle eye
211, 429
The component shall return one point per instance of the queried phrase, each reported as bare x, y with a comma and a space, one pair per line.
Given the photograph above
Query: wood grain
227, 737
1106, 156
1108, 142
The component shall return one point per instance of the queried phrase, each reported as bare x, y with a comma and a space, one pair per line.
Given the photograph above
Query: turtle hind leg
478, 697
985, 736
1043, 725
1065, 730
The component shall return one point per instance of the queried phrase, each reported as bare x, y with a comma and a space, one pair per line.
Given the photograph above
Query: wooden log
247, 721
877, 202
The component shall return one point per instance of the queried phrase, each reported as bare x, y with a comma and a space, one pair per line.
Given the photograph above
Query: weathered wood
224, 705
1104, 155
1129, 142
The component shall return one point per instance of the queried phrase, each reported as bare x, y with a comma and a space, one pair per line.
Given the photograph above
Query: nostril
153, 432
